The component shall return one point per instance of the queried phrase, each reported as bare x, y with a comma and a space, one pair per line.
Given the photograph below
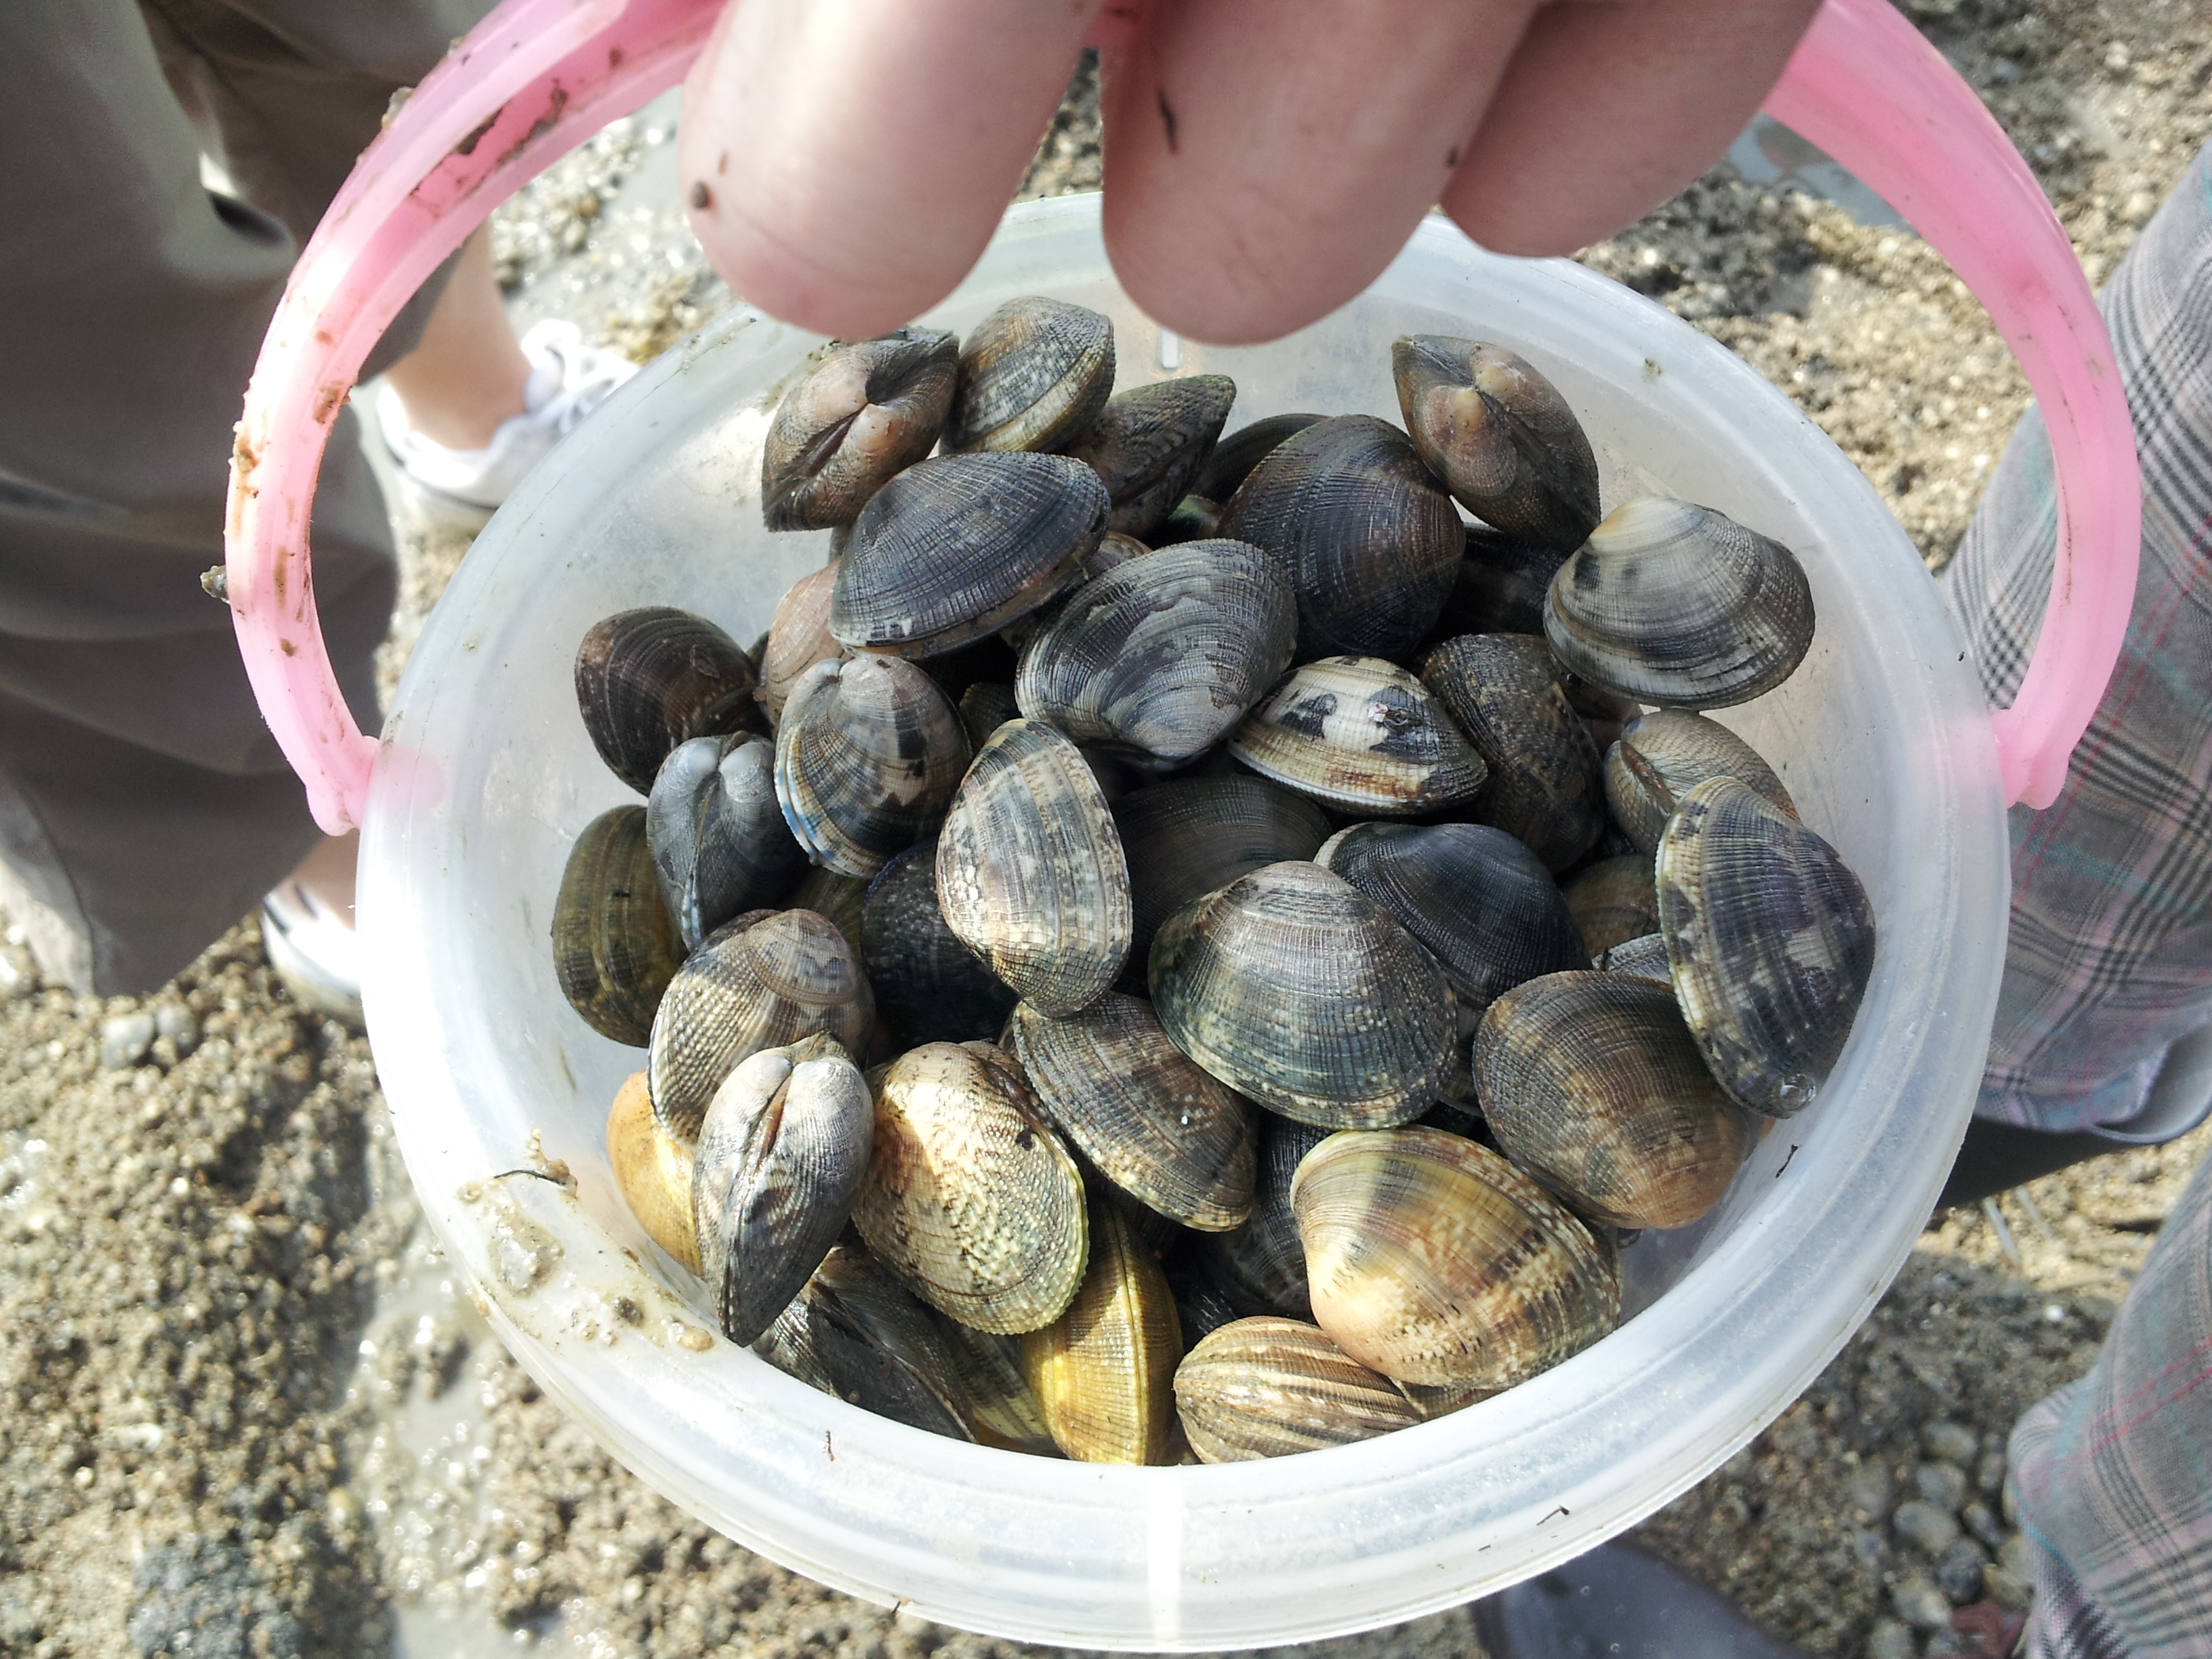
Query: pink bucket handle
536, 77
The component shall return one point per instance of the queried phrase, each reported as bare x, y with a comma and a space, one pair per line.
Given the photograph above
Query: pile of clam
1180, 946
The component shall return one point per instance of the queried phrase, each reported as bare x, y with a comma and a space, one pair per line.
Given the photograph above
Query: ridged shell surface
866, 760
761, 981
1433, 1260
1592, 1085
854, 1331
1360, 734
1261, 1266
615, 946
1268, 1388
720, 844
1613, 901
1104, 1372
839, 900
1164, 654
1499, 586
1500, 436
1644, 956
653, 1171
1149, 444
929, 987
1664, 755
970, 1197
1372, 545
956, 547
799, 636
1029, 872
868, 408
984, 707
649, 679
1772, 942
1033, 376
1235, 455
1191, 836
1671, 603
1001, 1408
1157, 1125
1547, 786
1301, 994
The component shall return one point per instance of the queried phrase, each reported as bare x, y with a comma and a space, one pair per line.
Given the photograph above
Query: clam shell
854, 1331
1298, 992
1671, 602
1499, 586
1477, 898
1201, 1305
1613, 901
1235, 455
615, 947
1664, 755
1104, 1372
1268, 1387
839, 900
649, 679
719, 844
1546, 786
1030, 873
1000, 1407
1772, 942
764, 980
1261, 1267
781, 1151
1500, 436
929, 987
1148, 444
653, 1172
1644, 956
957, 547
1592, 1085
866, 760
1033, 376
1165, 653
1193, 836
984, 707
1157, 1127
970, 1197
1432, 1260
799, 636
1361, 734
867, 409
1372, 545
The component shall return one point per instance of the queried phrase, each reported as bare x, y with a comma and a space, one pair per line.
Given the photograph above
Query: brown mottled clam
969, 1196
1592, 1085
763, 980
1360, 734
867, 409
866, 760
1104, 1372
1500, 436
720, 844
653, 1171
1772, 940
1033, 376
929, 987
1664, 755
1193, 836
1266, 1387
799, 636
1149, 443
1546, 779
615, 946
1671, 603
1030, 873
1433, 1260
1613, 901
1163, 654
649, 679
1301, 994
956, 547
856, 1331
1157, 1127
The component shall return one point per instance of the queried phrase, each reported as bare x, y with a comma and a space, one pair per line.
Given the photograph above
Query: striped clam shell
799, 636
1360, 734
856, 1331
650, 678
866, 760
1267, 1387
1190, 836
1149, 444
929, 987
1546, 786
720, 844
1103, 1373
1033, 376
615, 945
1613, 901
1664, 755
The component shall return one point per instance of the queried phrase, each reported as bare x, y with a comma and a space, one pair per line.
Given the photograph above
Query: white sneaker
314, 952
459, 488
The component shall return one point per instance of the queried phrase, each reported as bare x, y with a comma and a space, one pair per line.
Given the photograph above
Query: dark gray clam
1671, 603
799, 636
866, 760
1500, 436
761, 981
649, 679
1372, 545
781, 1151
1546, 779
856, 1331
1155, 1125
1613, 901
1268, 1388
1771, 938
1645, 956
1664, 755
838, 900
1235, 455
1191, 836
1260, 1267
1149, 443
1481, 902
929, 987
1500, 586
1301, 994
1033, 376
1362, 735
615, 947
956, 547
1592, 1085
1030, 873
984, 707
1165, 653
867, 409
1000, 1407
720, 844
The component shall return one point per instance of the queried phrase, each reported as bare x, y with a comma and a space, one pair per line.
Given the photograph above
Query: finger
1265, 158
845, 161
1608, 110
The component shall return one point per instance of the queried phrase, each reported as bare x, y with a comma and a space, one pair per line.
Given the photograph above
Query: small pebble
1945, 1643
1921, 1523
1989, 1473
1890, 1640
1953, 1442
1959, 1571
124, 1040
1871, 1548
2012, 1590
1920, 1603
1943, 1485
1983, 1525
174, 1021
1868, 1489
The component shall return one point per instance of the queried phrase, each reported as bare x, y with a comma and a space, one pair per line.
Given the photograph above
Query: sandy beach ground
248, 1411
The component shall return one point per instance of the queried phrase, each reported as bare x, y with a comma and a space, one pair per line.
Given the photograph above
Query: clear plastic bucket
485, 776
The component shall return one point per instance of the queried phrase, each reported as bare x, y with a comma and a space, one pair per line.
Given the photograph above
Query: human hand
848, 160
